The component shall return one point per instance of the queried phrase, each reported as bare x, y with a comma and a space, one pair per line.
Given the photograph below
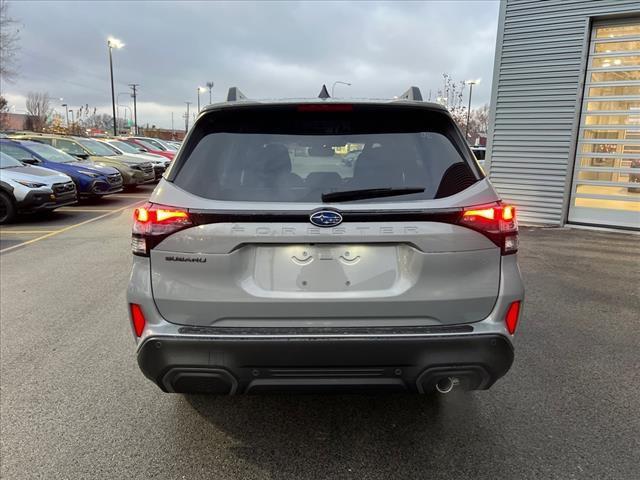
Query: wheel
7, 208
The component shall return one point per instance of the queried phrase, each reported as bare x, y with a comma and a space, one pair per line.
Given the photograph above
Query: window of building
606, 182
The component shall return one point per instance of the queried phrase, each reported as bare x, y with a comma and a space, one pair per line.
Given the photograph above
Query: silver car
26, 189
263, 262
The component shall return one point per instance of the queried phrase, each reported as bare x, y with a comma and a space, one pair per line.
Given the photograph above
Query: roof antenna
324, 94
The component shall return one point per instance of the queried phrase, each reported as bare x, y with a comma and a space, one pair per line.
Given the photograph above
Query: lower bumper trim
413, 364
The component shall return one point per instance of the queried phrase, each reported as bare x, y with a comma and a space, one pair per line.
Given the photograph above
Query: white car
160, 163
27, 188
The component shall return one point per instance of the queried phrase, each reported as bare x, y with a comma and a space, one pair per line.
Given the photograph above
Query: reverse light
137, 318
496, 222
511, 318
153, 223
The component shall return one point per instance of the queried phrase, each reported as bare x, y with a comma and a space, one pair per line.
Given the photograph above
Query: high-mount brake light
325, 107
497, 222
153, 223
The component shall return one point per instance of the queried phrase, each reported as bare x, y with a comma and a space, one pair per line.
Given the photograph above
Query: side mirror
81, 156
30, 161
143, 150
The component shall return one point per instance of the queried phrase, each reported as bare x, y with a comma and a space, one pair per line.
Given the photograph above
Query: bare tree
4, 107
9, 38
478, 123
39, 109
451, 96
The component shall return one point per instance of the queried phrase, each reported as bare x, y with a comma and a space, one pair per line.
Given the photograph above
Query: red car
147, 146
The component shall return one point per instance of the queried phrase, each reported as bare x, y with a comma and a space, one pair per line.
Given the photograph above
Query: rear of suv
265, 262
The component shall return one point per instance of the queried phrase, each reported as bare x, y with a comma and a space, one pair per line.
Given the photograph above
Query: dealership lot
74, 404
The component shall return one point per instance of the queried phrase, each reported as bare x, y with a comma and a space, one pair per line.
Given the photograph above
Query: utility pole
173, 132
186, 118
66, 106
210, 87
135, 111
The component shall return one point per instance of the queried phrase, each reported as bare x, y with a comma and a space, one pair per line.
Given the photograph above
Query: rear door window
287, 154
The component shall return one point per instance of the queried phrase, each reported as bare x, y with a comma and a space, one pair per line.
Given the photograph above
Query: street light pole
336, 83
471, 83
113, 43
200, 90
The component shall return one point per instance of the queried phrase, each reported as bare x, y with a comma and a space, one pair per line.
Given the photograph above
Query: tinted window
15, 151
7, 162
280, 154
125, 147
95, 147
149, 146
52, 154
70, 147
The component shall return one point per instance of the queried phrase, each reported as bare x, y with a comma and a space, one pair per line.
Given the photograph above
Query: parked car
480, 153
146, 146
254, 272
160, 143
134, 172
160, 163
634, 178
91, 180
27, 189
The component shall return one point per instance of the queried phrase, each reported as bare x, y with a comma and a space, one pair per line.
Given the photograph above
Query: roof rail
235, 95
412, 94
324, 94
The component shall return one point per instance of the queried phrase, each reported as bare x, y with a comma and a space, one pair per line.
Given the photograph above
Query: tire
7, 208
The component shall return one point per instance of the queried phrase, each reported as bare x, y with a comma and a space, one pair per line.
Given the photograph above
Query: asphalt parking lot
74, 404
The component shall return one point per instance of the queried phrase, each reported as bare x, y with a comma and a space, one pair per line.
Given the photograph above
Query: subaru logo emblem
326, 218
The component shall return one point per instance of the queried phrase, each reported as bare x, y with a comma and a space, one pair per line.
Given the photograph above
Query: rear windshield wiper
348, 195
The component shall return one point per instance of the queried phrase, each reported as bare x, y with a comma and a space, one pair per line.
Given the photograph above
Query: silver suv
264, 262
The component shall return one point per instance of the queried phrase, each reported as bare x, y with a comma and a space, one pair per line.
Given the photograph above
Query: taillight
137, 318
497, 222
511, 318
153, 223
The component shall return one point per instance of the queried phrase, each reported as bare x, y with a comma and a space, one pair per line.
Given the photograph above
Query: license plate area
330, 267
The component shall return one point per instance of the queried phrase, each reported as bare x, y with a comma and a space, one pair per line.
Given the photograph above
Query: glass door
606, 181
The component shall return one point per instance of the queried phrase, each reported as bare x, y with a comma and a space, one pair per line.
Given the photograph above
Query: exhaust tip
446, 384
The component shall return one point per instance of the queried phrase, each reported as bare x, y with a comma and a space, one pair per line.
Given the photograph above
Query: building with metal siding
567, 78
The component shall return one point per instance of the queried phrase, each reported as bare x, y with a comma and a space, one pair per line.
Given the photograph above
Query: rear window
295, 154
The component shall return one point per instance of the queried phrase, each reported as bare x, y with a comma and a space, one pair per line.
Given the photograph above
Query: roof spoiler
413, 94
235, 95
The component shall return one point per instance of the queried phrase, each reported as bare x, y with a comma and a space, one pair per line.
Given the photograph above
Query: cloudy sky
269, 50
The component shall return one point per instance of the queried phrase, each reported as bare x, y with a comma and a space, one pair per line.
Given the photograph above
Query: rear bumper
233, 365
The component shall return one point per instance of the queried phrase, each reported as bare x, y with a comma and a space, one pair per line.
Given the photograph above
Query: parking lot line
128, 195
73, 209
25, 232
65, 229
